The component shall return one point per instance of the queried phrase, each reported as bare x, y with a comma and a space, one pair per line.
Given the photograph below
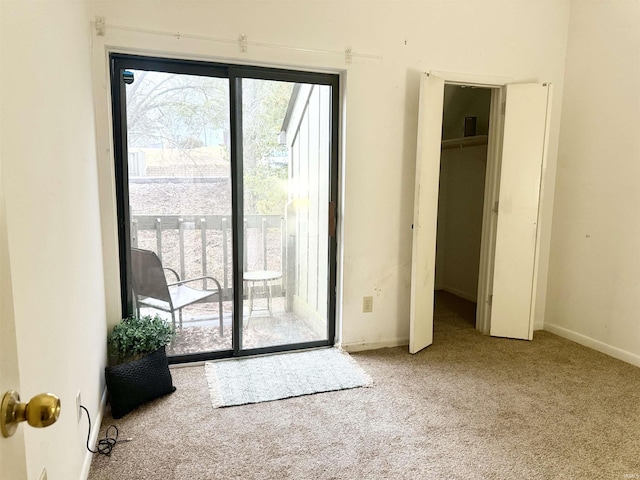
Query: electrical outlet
78, 403
367, 304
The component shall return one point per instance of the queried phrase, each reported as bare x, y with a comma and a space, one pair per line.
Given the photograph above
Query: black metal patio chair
151, 289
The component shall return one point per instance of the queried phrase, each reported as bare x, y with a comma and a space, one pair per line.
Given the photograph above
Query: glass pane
180, 205
286, 162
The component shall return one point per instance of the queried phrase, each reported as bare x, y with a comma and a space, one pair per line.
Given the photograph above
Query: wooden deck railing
262, 233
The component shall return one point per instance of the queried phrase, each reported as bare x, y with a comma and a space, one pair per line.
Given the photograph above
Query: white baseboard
602, 347
538, 326
459, 293
93, 438
362, 346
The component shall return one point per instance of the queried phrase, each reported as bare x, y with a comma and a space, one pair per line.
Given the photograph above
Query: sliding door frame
235, 74
119, 62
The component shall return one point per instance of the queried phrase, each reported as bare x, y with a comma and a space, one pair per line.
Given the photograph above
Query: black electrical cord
105, 445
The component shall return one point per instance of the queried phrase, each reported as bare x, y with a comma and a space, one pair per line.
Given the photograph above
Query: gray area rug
261, 379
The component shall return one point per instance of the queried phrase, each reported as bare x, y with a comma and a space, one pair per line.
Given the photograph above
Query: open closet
477, 196
463, 164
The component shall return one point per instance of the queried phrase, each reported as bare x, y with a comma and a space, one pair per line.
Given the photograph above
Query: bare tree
184, 112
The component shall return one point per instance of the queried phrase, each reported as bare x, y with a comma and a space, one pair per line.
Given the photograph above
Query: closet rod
465, 142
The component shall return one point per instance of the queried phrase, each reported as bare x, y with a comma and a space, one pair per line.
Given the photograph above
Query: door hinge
495, 207
490, 300
503, 108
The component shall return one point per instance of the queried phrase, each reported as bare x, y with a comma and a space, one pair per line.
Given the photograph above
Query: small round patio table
264, 277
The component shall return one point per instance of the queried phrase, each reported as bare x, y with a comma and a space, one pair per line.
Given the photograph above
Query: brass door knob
41, 411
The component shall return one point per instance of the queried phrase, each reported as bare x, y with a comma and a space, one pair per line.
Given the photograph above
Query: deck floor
201, 333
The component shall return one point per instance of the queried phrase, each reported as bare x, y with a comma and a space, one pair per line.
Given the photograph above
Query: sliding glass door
226, 185
286, 167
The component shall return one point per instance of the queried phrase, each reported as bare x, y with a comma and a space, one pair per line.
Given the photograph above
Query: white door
524, 148
425, 212
523, 152
12, 449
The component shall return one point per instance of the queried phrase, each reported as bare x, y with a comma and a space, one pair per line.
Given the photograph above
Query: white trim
489, 216
541, 190
186, 54
341, 189
362, 346
486, 81
93, 438
538, 326
615, 352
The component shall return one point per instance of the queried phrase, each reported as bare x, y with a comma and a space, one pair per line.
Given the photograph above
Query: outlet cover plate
78, 403
367, 304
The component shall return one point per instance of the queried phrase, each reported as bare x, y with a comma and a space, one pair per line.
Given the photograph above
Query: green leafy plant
137, 336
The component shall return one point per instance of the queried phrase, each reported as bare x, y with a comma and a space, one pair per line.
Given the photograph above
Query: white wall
594, 273
53, 221
462, 195
520, 40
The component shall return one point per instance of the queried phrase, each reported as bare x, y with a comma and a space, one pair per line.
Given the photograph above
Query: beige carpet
468, 407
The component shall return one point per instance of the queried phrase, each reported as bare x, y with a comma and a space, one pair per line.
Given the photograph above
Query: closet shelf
465, 142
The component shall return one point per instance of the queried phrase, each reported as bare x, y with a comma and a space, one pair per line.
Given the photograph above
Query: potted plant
141, 372
135, 337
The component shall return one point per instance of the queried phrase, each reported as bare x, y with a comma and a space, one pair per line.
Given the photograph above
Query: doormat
240, 381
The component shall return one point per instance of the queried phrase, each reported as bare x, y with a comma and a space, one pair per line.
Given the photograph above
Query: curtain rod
242, 41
